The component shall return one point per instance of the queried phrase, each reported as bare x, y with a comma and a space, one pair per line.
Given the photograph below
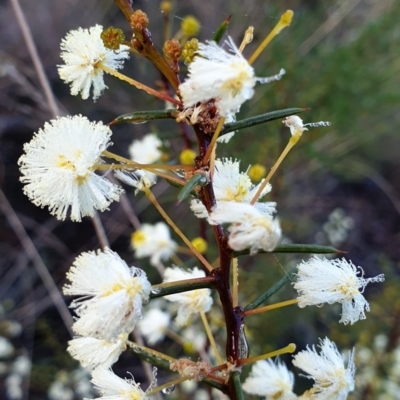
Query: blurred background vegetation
339, 186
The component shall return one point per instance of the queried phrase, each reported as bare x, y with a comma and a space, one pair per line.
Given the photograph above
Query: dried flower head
112, 294
58, 168
188, 368
332, 380
334, 281
83, 52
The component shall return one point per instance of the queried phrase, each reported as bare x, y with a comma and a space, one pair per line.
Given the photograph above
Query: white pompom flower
320, 280
230, 185
221, 75
270, 379
154, 325
93, 353
146, 151
192, 302
112, 387
253, 226
112, 294
58, 168
332, 380
83, 52
153, 241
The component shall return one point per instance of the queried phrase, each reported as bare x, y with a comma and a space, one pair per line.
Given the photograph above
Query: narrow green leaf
219, 33
195, 180
260, 119
182, 286
296, 248
237, 385
260, 300
140, 117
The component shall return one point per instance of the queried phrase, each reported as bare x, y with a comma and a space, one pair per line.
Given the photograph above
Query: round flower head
112, 387
332, 380
252, 225
112, 292
153, 241
334, 281
270, 379
146, 151
153, 325
83, 52
58, 164
192, 302
93, 353
217, 74
229, 185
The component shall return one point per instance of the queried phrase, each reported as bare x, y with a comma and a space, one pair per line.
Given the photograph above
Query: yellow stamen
270, 307
285, 21
290, 348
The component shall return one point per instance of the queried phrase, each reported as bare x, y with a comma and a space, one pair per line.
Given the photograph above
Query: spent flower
112, 294
84, 53
58, 168
334, 281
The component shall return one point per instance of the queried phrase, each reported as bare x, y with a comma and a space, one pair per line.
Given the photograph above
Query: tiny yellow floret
138, 238
187, 157
190, 26
200, 244
256, 172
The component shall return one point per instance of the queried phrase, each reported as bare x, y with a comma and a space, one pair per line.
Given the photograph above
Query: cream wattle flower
84, 52
112, 294
58, 168
332, 380
270, 379
192, 302
320, 280
230, 185
224, 76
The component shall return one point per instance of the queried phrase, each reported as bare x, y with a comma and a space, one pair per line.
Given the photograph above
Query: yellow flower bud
187, 157
137, 238
190, 26
200, 245
256, 172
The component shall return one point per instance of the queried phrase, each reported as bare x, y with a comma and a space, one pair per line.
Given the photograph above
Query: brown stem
125, 7
233, 315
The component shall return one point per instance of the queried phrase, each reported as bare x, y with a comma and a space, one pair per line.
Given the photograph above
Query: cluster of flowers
58, 170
